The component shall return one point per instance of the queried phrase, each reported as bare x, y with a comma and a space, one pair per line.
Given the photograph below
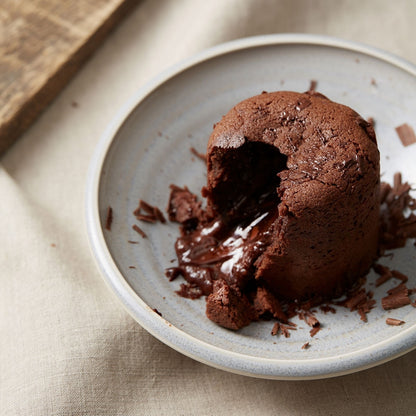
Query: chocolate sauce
220, 251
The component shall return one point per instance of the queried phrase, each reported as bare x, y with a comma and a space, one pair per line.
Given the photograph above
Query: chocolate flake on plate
406, 134
313, 84
199, 155
153, 213
109, 218
396, 298
394, 322
139, 230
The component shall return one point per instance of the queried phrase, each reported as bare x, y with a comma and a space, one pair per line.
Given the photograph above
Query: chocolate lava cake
292, 209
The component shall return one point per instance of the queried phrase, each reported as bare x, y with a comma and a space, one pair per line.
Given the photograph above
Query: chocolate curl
394, 322
397, 297
406, 134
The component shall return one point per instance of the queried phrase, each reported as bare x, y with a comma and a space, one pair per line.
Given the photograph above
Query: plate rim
316, 368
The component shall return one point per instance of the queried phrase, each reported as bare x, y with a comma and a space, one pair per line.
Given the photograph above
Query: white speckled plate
147, 147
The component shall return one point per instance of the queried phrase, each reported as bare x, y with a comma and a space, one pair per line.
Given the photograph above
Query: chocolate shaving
353, 302
310, 319
360, 301
396, 228
155, 310
326, 308
132, 242
314, 330
406, 134
394, 322
283, 329
275, 329
159, 215
400, 276
313, 84
139, 230
371, 121
199, 155
143, 205
397, 297
384, 272
109, 218
305, 346
153, 214
146, 218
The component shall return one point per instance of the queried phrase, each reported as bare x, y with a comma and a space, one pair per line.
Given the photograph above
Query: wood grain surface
42, 44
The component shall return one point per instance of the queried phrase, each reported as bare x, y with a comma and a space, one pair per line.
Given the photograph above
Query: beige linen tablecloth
67, 347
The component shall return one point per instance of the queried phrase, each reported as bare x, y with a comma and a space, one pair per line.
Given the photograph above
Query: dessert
292, 210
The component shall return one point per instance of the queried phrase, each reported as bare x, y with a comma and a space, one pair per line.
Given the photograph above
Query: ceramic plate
147, 148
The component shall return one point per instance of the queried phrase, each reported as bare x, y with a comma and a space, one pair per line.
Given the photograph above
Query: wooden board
42, 44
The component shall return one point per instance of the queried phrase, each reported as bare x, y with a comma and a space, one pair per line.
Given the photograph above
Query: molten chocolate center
228, 246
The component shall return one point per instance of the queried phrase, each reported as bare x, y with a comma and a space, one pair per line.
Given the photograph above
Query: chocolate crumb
132, 267
373, 82
132, 242
189, 291
155, 310
406, 134
305, 346
227, 307
199, 155
139, 230
53, 245
172, 273
394, 322
109, 218
74, 104
184, 207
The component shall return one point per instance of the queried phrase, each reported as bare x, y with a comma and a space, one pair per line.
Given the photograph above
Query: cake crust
325, 233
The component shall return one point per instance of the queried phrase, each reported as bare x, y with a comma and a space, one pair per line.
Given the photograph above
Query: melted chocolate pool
228, 244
